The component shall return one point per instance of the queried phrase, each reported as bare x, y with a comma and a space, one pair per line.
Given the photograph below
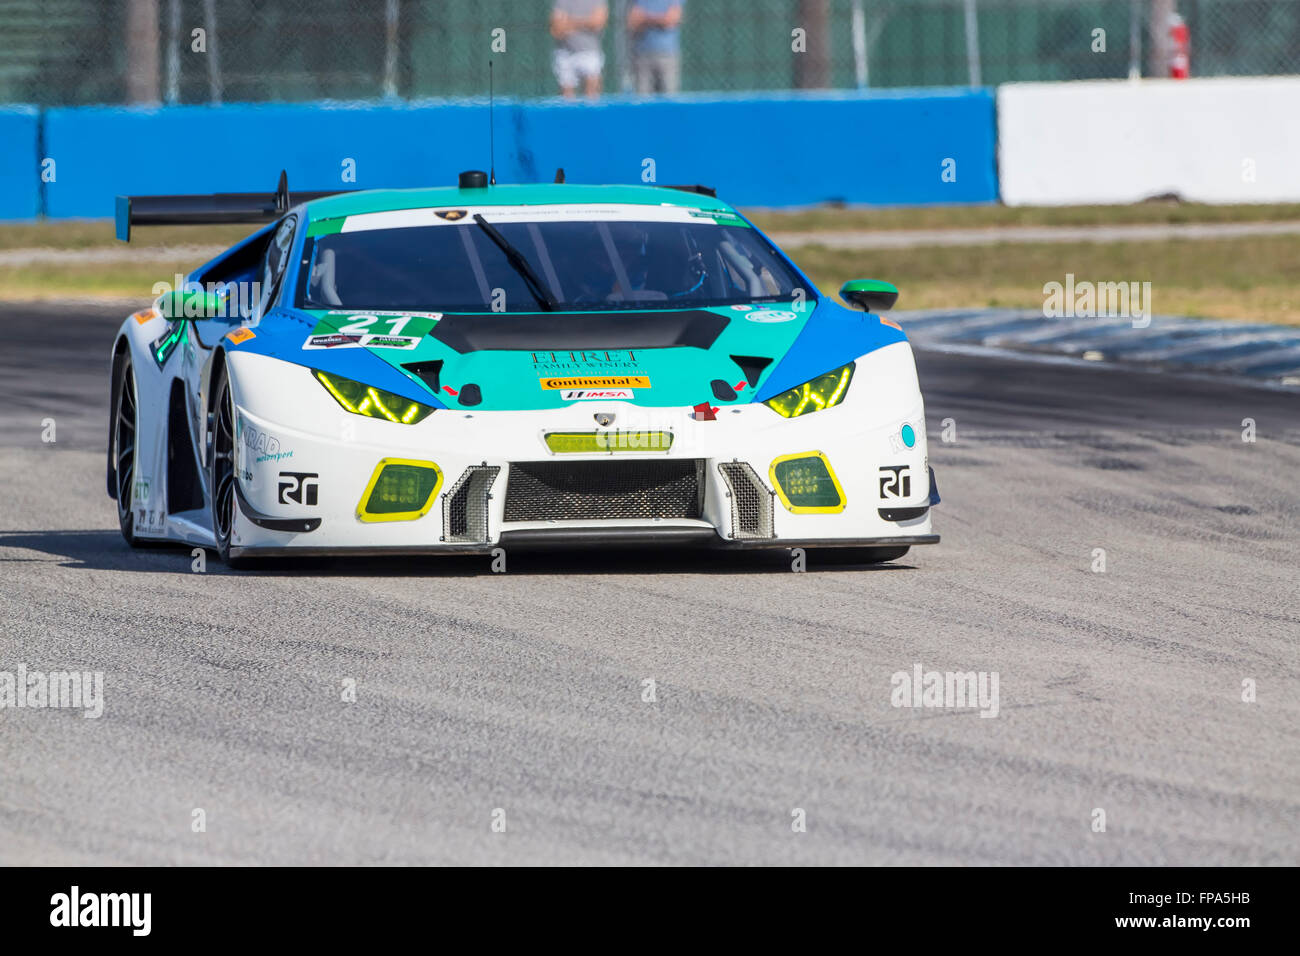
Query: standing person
655, 26
576, 26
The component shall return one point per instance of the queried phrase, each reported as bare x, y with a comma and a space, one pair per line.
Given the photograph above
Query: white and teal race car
500, 366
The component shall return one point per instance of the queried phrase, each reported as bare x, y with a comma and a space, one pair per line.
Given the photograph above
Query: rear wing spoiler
216, 208
693, 188
211, 209
685, 187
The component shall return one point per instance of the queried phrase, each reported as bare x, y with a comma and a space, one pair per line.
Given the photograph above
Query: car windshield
579, 264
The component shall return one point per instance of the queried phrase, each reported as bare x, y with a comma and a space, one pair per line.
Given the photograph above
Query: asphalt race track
523, 692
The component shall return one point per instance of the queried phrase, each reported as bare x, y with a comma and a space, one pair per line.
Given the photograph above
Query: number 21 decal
363, 323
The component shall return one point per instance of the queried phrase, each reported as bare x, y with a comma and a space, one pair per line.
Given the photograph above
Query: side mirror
190, 304
869, 294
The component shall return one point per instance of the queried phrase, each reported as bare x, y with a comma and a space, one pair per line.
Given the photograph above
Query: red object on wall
1180, 48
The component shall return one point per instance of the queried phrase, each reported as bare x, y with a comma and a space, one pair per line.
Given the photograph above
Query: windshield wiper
520, 264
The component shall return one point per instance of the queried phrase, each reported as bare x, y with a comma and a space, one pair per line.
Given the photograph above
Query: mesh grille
465, 507
751, 501
547, 490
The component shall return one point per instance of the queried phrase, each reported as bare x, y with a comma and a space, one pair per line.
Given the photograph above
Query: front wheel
221, 473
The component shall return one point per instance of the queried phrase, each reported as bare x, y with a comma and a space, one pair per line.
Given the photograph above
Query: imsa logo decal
594, 394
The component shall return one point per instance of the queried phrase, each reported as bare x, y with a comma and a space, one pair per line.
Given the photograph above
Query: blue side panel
282, 332
20, 166
834, 336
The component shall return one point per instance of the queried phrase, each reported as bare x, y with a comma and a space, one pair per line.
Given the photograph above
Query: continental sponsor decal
235, 336
599, 381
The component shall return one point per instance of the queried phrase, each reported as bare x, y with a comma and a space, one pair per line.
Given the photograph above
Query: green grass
975, 217
82, 280
1250, 278
96, 233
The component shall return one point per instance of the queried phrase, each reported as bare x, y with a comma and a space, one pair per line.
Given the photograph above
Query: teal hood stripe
536, 378
798, 344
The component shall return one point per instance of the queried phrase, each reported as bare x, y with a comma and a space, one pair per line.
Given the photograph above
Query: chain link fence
73, 52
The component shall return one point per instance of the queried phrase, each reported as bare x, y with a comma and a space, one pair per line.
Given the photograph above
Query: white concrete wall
1228, 140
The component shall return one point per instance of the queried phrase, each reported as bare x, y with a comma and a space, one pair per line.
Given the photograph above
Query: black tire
870, 555
122, 446
221, 472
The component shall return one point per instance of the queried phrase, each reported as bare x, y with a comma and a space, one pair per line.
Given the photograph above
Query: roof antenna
559, 174
492, 145
282, 193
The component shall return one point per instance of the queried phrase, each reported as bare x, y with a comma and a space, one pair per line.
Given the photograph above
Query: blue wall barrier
792, 150
103, 152
785, 150
20, 172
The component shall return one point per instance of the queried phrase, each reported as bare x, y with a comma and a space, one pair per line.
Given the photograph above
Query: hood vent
572, 331
752, 366
426, 372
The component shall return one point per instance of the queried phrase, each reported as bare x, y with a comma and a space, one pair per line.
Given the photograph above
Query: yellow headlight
372, 402
400, 490
822, 392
